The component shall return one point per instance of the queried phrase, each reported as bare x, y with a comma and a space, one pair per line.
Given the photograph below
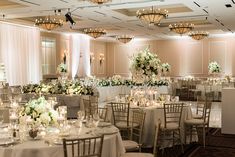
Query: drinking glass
80, 115
62, 110
96, 119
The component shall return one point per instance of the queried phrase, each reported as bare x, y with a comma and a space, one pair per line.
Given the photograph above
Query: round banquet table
153, 113
112, 144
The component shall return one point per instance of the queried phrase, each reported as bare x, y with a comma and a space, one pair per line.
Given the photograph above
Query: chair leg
204, 137
191, 133
182, 147
185, 134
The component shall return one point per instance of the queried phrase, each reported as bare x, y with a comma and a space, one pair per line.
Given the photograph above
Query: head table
44, 147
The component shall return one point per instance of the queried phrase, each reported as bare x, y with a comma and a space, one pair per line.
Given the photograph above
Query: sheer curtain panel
20, 52
80, 55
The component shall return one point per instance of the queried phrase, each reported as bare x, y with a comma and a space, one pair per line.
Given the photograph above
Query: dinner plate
106, 131
104, 124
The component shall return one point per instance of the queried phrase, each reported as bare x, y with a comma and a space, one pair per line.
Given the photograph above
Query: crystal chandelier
124, 38
198, 35
100, 1
49, 23
95, 32
181, 28
151, 16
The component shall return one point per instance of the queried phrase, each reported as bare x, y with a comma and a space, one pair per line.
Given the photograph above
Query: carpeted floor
217, 145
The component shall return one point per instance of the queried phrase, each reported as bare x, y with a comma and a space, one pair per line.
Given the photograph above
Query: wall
186, 56
99, 62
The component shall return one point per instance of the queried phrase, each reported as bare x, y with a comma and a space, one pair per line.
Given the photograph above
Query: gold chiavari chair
172, 122
83, 147
121, 112
194, 123
102, 113
90, 106
137, 124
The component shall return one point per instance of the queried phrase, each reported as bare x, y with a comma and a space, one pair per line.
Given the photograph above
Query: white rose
45, 118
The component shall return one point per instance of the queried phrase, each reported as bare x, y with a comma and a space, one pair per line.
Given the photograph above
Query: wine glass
96, 119
80, 115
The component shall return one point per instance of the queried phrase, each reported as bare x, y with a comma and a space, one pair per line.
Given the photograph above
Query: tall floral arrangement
40, 112
166, 67
62, 68
145, 65
214, 67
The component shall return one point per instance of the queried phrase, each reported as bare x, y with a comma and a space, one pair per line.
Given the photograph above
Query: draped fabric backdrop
80, 46
75, 48
20, 53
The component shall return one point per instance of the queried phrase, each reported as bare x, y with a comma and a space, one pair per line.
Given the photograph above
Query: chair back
172, 113
201, 103
207, 111
5, 94
137, 125
120, 112
83, 147
102, 113
90, 105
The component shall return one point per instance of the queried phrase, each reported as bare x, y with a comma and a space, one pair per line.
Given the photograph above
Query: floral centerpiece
67, 87
214, 68
165, 68
145, 65
62, 68
103, 82
116, 80
40, 112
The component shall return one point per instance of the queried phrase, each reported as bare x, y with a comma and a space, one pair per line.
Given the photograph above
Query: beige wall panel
194, 58
217, 52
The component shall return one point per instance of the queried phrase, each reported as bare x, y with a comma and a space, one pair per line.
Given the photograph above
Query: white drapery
80, 55
20, 53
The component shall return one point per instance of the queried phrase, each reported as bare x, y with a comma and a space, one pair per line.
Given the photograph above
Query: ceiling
119, 16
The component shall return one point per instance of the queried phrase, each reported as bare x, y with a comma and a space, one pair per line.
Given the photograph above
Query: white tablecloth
109, 93
112, 147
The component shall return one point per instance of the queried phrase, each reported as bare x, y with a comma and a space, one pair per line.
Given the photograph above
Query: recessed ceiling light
228, 5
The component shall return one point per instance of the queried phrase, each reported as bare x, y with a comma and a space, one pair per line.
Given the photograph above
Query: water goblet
80, 115
96, 119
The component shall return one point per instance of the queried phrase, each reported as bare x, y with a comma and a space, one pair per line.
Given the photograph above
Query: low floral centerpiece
116, 80
145, 65
38, 112
66, 87
214, 68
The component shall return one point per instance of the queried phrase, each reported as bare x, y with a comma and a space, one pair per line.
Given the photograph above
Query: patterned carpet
218, 145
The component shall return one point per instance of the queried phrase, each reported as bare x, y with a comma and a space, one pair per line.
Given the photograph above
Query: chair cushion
170, 126
137, 155
130, 145
123, 125
197, 116
194, 121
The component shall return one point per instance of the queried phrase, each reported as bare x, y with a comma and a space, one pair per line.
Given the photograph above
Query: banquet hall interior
117, 78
